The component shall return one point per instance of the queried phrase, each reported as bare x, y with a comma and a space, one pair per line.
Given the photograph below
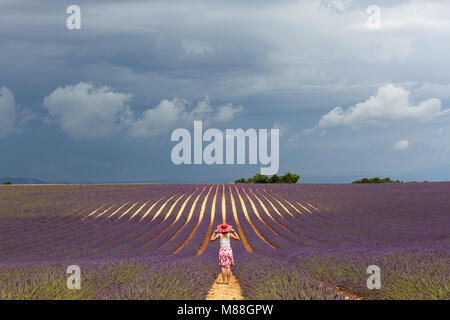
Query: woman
225, 232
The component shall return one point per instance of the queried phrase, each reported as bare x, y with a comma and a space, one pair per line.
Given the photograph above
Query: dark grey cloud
284, 62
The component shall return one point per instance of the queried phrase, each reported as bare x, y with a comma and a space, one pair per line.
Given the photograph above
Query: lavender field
298, 241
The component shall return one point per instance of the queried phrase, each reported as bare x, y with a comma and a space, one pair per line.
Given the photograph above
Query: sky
99, 104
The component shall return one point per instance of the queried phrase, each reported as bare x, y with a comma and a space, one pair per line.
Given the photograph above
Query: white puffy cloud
178, 112
390, 104
10, 113
227, 112
401, 145
86, 111
157, 120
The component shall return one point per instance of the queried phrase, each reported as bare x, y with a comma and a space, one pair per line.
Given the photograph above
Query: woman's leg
224, 274
228, 274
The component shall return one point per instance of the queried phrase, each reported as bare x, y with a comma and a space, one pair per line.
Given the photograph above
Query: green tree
274, 179
295, 178
377, 180
290, 178
260, 178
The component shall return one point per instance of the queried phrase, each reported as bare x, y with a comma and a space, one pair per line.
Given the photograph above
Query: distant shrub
260, 178
7, 183
377, 180
274, 179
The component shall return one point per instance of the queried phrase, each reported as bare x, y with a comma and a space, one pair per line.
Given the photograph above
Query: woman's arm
234, 235
215, 236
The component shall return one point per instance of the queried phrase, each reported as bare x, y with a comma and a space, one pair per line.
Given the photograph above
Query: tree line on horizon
377, 180
260, 178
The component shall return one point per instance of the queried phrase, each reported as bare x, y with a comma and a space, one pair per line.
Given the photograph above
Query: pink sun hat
224, 227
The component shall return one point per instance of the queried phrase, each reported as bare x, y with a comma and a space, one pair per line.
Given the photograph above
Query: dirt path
220, 291
348, 295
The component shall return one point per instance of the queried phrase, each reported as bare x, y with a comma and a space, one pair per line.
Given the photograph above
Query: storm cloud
137, 69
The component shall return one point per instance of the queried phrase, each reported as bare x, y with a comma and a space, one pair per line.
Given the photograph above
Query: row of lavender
342, 219
402, 229
407, 273
371, 218
72, 236
169, 277
377, 222
416, 272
